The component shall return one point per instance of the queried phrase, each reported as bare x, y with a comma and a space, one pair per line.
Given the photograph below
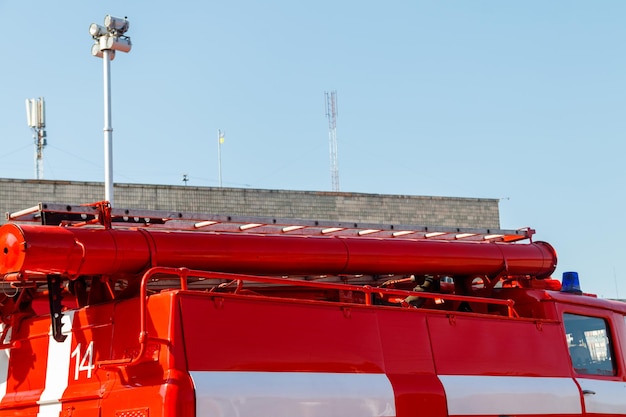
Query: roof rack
90, 215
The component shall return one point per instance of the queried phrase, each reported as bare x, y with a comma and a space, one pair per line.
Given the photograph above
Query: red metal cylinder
71, 251
89, 251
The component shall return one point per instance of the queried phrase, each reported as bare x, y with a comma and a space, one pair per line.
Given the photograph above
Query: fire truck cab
137, 313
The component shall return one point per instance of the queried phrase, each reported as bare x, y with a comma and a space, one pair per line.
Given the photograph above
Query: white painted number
86, 360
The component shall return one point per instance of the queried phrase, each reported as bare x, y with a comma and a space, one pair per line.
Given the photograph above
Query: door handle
588, 392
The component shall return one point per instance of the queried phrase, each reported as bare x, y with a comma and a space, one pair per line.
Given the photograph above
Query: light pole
220, 141
108, 39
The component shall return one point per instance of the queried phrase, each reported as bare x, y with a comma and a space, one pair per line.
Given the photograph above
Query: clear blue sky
520, 101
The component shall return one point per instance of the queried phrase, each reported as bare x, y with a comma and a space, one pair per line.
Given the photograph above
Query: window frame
599, 359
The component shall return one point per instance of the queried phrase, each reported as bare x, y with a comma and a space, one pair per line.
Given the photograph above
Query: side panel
87, 383
409, 363
340, 360
465, 344
158, 385
500, 366
45, 378
25, 376
42, 377
252, 334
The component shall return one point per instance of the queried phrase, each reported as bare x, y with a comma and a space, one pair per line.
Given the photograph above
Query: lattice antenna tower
36, 119
331, 114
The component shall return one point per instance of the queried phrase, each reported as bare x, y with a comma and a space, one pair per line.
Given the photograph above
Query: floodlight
115, 43
116, 24
97, 52
96, 30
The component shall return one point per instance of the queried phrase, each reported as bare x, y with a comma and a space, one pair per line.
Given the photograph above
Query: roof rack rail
102, 214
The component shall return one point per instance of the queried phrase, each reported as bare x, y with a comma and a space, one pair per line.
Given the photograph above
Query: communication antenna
331, 114
36, 119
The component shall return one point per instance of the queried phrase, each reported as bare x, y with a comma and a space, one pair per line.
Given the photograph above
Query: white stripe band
5, 355
57, 369
500, 395
604, 397
289, 394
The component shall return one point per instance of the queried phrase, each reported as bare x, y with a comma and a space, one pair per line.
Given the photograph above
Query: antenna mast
331, 114
36, 118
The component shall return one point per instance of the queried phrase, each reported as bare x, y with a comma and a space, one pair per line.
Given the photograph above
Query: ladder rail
91, 214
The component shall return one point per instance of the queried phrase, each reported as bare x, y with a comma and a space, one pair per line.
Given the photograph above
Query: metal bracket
55, 298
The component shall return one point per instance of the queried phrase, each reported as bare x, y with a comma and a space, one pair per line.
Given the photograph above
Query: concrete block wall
16, 194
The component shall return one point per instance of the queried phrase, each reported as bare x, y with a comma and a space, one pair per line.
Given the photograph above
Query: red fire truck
129, 313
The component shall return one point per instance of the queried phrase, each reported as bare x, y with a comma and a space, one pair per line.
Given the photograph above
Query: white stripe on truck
510, 395
291, 394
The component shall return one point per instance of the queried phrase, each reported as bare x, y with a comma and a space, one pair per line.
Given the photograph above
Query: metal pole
35, 137
219, 156
40, 154
108, 129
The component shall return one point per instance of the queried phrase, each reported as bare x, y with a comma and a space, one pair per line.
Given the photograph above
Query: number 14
86, 360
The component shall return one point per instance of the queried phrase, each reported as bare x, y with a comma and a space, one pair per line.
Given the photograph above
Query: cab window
589, 343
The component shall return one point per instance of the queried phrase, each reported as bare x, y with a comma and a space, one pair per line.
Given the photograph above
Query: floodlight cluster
110, 37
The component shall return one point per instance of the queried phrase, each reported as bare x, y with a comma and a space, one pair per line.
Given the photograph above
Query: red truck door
597, 362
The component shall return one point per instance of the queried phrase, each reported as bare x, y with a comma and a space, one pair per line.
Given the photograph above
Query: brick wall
358, 207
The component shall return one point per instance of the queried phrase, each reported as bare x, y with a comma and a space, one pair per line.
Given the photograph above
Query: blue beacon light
571, 283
